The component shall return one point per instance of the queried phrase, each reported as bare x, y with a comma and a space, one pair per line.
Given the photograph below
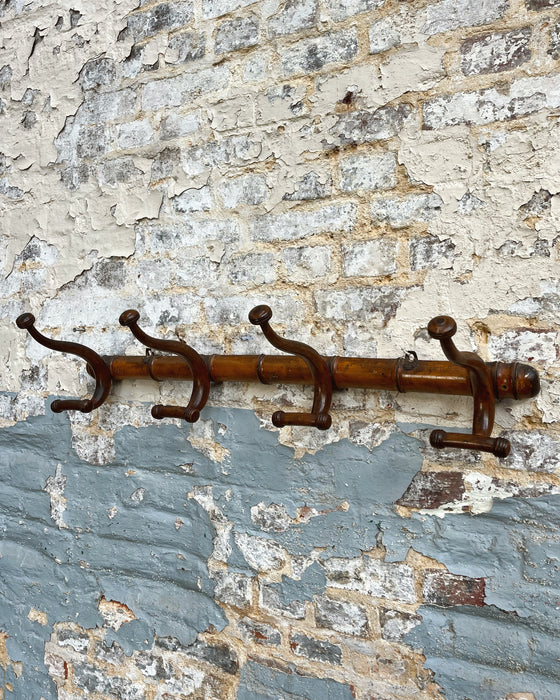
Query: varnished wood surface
510, 380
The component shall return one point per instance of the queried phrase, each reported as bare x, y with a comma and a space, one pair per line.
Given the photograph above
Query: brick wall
361, 166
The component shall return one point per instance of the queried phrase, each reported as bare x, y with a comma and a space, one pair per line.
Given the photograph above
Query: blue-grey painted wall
509, 645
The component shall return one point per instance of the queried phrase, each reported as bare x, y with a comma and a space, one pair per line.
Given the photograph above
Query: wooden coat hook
96, 366
443, 328
462, 374
319, 416
199, 371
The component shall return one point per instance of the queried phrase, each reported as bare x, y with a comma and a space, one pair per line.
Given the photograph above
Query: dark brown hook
98, 367
199, 370
319, 416
443, 328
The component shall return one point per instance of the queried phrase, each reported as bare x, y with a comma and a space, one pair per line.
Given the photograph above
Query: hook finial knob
25, 321
129, 317
260, 315
442, 327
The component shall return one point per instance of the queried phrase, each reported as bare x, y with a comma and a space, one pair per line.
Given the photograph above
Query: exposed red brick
541, 4
433, 489
445, 589
495, 52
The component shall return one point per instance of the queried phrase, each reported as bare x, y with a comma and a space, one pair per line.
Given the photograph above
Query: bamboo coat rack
463, 374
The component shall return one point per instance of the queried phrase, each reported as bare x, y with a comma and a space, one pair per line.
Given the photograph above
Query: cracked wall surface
361, 167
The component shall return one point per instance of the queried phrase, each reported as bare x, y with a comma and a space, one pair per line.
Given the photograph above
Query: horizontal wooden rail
511, 380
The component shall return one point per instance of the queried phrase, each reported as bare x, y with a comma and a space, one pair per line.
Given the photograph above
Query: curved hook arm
319, 416
199, 370
443, 328
99, 369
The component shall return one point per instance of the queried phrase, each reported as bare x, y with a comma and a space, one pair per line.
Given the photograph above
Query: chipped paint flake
55, 486
38, 616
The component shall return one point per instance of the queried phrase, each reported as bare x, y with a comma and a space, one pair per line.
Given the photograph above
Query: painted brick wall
361, 166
